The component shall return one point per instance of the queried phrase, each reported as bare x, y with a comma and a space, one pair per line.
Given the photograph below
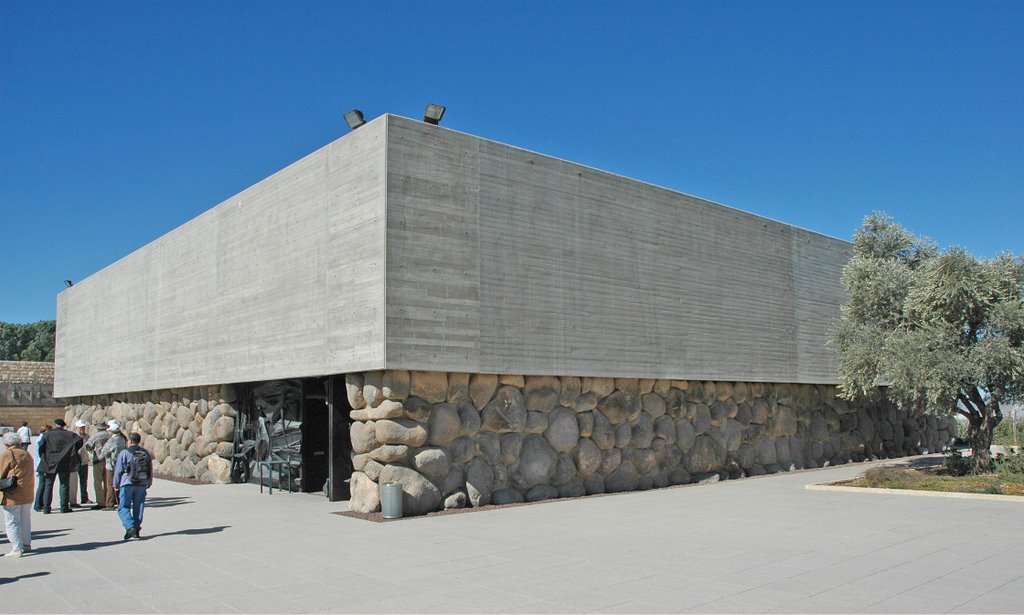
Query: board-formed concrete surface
284, 279
502, 260
403, 245
756, 545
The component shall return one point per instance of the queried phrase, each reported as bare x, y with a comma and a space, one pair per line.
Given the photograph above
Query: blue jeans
40, 487
133, 501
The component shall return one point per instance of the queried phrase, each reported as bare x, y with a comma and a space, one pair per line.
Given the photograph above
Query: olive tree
935, 331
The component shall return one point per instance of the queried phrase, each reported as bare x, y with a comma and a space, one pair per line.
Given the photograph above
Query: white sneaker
13, 554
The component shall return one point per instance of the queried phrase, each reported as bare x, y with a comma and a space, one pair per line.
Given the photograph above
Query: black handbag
6, 484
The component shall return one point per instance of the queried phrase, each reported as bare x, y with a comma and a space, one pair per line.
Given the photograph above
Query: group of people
122, 472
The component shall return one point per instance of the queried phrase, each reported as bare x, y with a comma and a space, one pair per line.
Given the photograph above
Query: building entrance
298, 431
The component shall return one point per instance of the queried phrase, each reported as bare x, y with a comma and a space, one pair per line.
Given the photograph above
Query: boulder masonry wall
190, 432
456, 439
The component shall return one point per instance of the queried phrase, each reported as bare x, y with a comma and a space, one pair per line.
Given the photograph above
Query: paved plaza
755, 545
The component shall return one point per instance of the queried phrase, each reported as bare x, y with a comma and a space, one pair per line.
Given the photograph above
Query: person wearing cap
113, 447
80, 488
58, 454
99, 467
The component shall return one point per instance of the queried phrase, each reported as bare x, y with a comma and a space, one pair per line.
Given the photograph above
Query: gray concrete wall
501, 260
409, 246
285, 279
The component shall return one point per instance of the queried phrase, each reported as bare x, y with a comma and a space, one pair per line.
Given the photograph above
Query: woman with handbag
15, 462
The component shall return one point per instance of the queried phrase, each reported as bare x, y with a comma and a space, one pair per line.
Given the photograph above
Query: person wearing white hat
99, 467
113, 447
81, 428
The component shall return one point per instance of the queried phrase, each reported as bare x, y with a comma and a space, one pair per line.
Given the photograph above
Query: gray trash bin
391, 500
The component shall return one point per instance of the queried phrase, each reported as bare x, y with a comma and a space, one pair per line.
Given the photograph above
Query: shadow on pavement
165, 502
6, 580
923, 462
89, 546
85, 546
50, 533
198, 531
40, 534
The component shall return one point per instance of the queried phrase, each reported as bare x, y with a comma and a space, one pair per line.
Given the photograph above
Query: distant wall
26, 394
14, 416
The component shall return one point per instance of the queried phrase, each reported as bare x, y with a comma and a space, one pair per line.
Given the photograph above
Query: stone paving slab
755, 545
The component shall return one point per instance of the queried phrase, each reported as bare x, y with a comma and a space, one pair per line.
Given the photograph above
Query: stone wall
14, 416
26, 384
26, 394
189, 431
455, 439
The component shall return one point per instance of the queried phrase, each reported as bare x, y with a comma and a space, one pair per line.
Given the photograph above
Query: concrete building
478, 322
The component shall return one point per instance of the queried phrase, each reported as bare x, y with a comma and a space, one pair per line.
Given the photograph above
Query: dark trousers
40, 483
48, 481
83, 483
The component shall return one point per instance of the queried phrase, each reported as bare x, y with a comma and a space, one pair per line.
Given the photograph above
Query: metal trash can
391, 500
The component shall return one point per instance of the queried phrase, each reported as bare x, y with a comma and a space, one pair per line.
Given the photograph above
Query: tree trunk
983, 419
981, 442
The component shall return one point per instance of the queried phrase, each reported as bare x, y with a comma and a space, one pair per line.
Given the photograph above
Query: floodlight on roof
354, 119
68, 283
433, 113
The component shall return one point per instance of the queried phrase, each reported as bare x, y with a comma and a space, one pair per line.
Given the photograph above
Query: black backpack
139, 467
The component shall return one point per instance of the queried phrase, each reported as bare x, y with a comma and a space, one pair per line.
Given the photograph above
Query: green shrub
1003, 433
957, 464
1011, 466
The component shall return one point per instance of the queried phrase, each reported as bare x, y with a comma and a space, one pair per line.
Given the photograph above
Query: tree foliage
29, 342
936, 331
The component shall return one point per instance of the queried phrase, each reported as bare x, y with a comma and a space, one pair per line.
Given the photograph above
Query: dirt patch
937, 479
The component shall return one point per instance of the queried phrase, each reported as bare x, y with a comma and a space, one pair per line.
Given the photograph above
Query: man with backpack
133, 475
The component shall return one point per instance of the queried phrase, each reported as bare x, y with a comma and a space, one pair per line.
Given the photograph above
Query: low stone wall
455, 439
34, 415
190, 432
26, 394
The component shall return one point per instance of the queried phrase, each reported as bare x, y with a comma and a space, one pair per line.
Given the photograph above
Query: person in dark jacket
40, 477
58, 456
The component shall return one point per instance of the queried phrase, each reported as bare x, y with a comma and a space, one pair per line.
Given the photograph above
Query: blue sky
122, 120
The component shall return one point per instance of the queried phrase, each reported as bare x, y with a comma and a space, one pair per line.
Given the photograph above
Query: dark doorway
341, 443
316, 436
301, 427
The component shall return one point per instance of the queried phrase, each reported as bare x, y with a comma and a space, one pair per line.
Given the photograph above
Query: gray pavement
754, 545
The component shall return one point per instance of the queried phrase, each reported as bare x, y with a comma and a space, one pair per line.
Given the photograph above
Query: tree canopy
936, 331
28, 342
